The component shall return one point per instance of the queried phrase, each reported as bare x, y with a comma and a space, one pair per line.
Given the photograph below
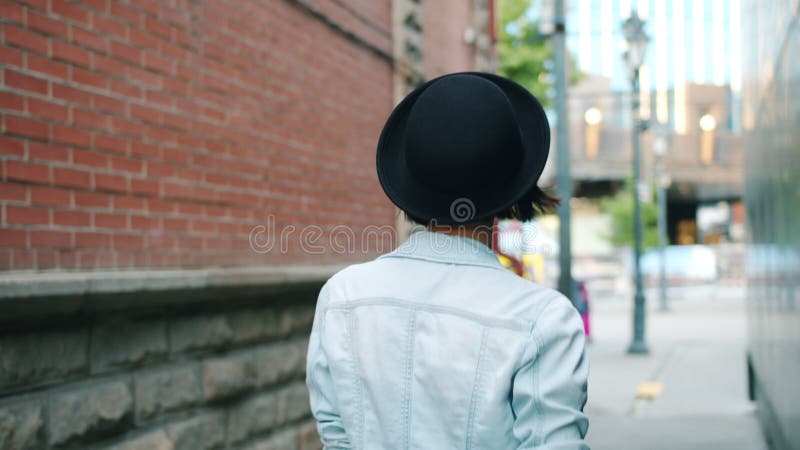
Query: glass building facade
692, 42
771, 122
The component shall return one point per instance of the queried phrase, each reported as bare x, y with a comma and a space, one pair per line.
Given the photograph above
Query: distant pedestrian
580, 299
435, 345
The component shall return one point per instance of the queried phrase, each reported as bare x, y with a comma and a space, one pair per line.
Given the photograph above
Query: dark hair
534, 203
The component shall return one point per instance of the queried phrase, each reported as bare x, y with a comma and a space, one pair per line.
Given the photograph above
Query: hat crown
462, 135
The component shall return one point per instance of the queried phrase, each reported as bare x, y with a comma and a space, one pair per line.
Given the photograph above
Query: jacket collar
439, 247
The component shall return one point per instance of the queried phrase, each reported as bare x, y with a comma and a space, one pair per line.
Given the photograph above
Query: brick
203, 432
29, 358
69, 53
12, 102
127, 241
126, 52
13, 192
92, 240
89, 39
18, 80
42, 195
71, 177
89, 158
11, 56
102, 220
108, 142
153, 440
71, 94
144, 187
12, 146
47, 109
46, 24
88, 78
199, 332
69, 11
119, 344
111, 183
166, 390
22, 38
12, 12
108, 104
50, 239
71, 135
20, 215
46, 66
72, 218
47, 152
92, 200
25, 171
227, 376
101, 408
124, 164
26, 127
12, 238
21, 426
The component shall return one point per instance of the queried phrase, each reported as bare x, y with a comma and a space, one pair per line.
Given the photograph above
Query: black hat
462, 148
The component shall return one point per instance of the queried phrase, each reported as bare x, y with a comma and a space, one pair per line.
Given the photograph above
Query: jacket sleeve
549, 388
322, 394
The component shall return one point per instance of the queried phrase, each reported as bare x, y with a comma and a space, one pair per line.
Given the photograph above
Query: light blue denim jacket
437, 346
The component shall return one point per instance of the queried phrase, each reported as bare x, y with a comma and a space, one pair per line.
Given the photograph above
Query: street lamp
592, 117
636, 39
708, 124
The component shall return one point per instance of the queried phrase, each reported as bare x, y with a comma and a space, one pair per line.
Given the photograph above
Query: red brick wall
444, 25
156, 133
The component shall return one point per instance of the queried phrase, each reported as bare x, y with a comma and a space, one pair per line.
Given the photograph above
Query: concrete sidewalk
697, 354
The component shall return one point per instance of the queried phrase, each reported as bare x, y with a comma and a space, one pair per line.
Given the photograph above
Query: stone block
295, 402
280, 361
20, 426
256, 415
282, 440
259, 324
166, 390
309, 437
205, 432
154, 440
199, 332
78, 414
228, 376
28, 358
117, 344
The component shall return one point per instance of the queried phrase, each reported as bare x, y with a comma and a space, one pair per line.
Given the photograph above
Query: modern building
690, 96
771, 92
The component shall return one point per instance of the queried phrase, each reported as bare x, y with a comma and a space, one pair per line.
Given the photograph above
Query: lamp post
636, 39
563, 177
662, 182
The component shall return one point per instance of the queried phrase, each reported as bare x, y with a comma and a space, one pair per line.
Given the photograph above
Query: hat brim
423, 203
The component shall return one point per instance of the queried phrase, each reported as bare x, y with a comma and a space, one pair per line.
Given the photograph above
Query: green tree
523, 52
620, 207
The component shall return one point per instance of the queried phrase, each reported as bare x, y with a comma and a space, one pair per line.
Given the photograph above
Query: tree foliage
620, 208
523, 53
